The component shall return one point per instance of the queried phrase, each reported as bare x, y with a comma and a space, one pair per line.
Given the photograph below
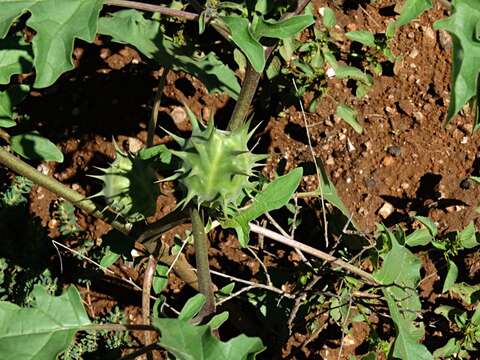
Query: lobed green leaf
130, 27
16, 57
462, 25
400, 273
57, 24
35, 147
189, 342
8, 100
43, 331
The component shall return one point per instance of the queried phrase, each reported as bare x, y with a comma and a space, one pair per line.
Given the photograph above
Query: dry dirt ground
404, 164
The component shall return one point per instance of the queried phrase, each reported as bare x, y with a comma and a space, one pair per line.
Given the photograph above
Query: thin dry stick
256, 285
314, 252
89, 302
104, 269
147, 286
177, 256
152, 125
5, 136
319, 177
343, 329
153, 8
284, 233
298, 302
235, 294
264, 267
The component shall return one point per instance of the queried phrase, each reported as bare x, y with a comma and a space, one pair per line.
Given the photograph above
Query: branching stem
153, 8
182, 268
314, 252
252, 78
55, 186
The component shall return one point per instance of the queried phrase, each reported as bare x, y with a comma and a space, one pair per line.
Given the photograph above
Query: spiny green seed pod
216, 165
129, 186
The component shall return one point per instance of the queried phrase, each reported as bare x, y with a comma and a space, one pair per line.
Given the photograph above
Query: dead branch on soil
314, 252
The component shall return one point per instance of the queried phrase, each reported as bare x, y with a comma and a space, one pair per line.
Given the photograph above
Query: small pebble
388, 160
178, 115
330, 161
466, 184
417, 115
405, 185
370, 183
394, 150
350, 146
386, 210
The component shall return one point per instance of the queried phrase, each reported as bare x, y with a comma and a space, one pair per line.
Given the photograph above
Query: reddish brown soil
109, 95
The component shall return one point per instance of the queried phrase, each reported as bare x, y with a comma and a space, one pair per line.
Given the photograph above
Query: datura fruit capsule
129, 186
216, 165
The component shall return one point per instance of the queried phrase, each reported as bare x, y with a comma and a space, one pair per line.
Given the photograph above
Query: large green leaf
275, 195
406, 344
43, 331
400, 273
35, 147
283, 28
189, 342
410, 10
130, 27
242, 37
8, 100
58, 24
15, 58
466, 52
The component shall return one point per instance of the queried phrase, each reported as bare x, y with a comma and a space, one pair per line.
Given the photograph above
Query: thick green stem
201, 256
181, 267
252, 78
49, 183
245, 98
